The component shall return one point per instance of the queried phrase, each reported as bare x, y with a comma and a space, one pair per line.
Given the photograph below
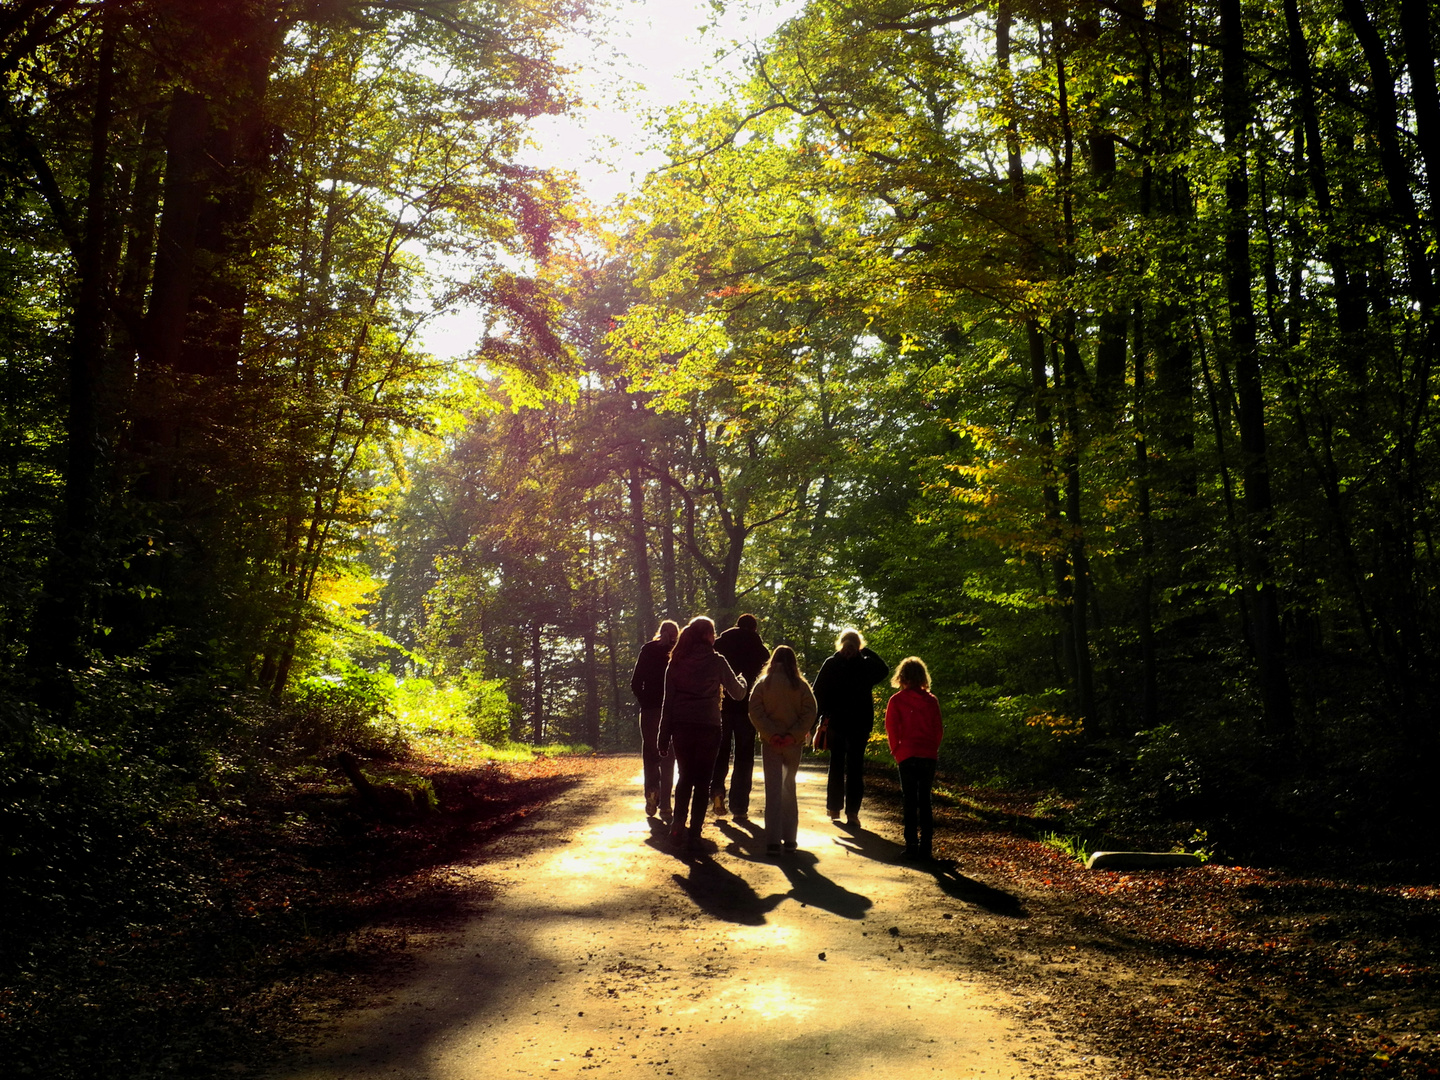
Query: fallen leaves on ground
1212, 971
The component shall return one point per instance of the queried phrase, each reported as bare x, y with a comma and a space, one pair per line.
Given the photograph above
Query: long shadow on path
725, 895
809, 886
801, 869
946, 873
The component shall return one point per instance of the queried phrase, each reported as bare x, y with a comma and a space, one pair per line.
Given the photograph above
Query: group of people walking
702, 696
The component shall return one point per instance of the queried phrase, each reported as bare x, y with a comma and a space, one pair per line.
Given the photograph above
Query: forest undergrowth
296, 907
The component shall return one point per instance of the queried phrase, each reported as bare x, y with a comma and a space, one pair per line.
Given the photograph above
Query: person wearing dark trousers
844, 692
747, 654
690, 721
648, 686
914, 730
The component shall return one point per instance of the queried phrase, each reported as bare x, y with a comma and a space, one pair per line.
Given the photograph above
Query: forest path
605, 953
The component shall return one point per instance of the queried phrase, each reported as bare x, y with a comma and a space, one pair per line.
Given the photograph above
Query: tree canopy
1085, 350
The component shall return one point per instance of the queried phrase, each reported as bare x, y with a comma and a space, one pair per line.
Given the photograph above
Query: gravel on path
605, 952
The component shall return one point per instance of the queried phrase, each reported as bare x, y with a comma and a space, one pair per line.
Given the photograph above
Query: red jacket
912, 723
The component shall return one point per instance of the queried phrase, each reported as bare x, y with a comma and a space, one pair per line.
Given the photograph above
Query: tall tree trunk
537, 684
669, 572
1110, 341
63, 613
1172, 408
1351, 314
1040, 390
640, 555
1072, 380
1267, 635
1145, 617
591, 730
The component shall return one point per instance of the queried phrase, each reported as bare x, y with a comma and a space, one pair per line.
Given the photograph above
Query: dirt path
604, 953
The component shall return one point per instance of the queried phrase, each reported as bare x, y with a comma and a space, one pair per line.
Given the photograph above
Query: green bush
1009, 739
343, 707
471, 707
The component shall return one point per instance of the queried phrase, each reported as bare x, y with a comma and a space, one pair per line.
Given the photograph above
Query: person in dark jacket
747, 654
648, 686
690, 721
844, 693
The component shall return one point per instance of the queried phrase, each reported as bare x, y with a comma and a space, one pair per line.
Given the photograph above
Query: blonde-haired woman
845, 693
912, 724
782, 708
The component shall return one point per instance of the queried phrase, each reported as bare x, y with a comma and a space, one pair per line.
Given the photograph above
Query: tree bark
60, 623
1267, 635
640, 554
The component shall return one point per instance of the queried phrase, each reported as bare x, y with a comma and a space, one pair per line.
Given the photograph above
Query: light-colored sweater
777, 708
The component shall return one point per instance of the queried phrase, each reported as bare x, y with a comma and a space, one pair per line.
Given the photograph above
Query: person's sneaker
652, 803
790, 847
739, 815
666, 814
718, 803
833, 813
773, 849
852, 820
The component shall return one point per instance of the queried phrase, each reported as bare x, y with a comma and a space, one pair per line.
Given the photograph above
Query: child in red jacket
912, 723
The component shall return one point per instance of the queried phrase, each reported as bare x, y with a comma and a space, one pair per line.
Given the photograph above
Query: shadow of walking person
947, 875
747, 840
725, 895
969, 891
858, 841
811, 887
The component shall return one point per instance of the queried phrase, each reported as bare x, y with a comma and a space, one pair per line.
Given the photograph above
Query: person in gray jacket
782, 708
690, 721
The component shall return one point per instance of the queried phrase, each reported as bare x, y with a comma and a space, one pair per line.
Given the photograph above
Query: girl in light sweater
912, 724
782, 708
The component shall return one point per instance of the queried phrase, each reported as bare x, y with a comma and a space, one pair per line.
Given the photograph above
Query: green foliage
342, 708
472, 708
1073, 846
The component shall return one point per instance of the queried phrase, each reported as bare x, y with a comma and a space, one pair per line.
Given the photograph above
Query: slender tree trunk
592, 687
640, 554
63, 613
1351, 314
1149, 675
668, 570
1034, 338
1417, 35
1172, 408
1110, 341
1267, 636
537, 685
1072, 372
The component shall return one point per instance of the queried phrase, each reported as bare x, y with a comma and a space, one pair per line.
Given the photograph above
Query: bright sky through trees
641, 57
